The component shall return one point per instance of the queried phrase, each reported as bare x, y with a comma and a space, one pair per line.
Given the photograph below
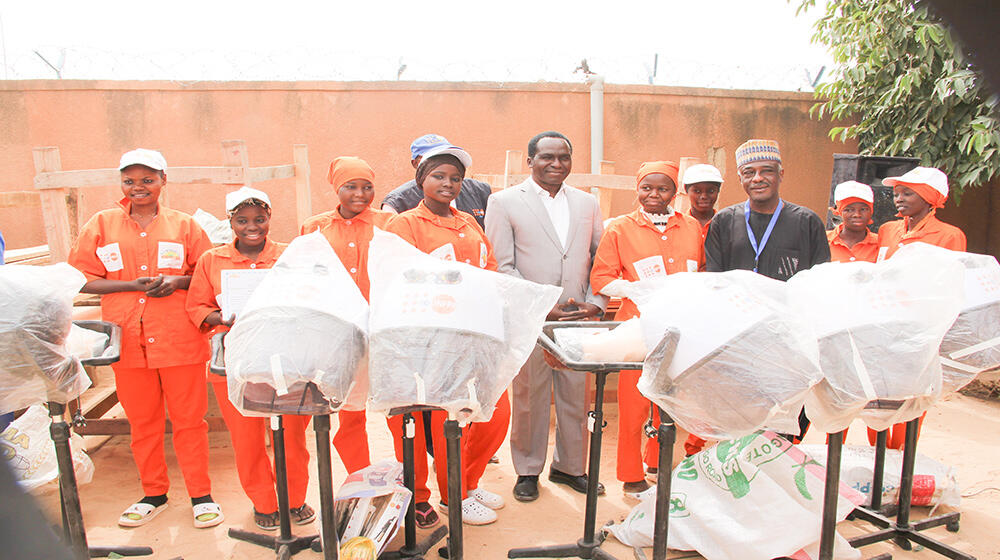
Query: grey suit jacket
526, 245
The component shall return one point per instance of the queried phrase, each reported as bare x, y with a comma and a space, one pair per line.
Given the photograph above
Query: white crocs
208, 514
139, 513
487, 498
473, 512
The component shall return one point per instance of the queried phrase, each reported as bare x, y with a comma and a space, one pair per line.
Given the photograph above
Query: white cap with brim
853, 189
702, 173
461, 154
244, 194
141, 156
930, 176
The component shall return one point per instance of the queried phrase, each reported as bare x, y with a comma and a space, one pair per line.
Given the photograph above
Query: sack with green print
754, 498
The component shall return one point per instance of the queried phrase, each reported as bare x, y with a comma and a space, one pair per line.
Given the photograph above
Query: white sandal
208, 514
139, 513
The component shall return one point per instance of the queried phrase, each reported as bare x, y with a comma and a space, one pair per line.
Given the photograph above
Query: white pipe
596, 122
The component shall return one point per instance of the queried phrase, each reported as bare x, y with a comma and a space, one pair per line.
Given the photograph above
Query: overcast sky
721, 43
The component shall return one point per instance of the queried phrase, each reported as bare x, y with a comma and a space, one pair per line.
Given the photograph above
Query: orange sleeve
607, 261
201, 300
402, 227
954, 240
83, 255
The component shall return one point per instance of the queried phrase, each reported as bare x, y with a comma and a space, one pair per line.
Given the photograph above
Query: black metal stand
74, 532
453, 441
327, 542
285, 544
666, 435
412, 550
901, 531
589, 545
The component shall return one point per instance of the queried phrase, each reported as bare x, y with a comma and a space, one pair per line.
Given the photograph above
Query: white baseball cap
702, 173
141, 156
930, 176
461, 154
244, 194
853, 189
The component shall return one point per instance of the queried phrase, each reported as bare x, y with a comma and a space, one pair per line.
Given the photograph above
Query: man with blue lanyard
765, 234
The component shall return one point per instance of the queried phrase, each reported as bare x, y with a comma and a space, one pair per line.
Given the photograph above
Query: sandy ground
959, 431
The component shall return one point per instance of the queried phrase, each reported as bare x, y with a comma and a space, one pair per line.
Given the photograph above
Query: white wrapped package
36, 314
623, 343
219, 231
879, 327
744, 360
447, 334
300, 341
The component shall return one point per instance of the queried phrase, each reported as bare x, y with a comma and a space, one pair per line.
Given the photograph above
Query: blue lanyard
767, 232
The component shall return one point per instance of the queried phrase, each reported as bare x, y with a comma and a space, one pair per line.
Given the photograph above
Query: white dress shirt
557, 208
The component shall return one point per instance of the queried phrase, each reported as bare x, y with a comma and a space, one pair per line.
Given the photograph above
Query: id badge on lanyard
767, 232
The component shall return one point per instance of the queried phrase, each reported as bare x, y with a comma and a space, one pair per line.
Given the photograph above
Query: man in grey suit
547, 232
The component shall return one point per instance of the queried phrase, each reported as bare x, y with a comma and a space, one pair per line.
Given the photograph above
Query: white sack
744, 360
219, 231
879, 327
27, 447
36, 313
305, 322
755, 498
623, 343
445, 333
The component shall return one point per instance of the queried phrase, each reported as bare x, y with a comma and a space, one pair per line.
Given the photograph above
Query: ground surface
959, 431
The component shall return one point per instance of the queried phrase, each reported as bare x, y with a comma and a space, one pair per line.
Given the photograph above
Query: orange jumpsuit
429, 232
350, 239
163, 355
249, 434
892, 236
633, 249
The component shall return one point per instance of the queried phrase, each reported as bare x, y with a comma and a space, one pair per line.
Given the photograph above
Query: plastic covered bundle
623, 343
879, 327
744, 361
36, 313
300, 341
447, 334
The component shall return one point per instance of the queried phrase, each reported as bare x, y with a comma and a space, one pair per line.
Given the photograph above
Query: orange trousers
147, 394
634, 447
253, 464
897, 434
480, 441
351, 440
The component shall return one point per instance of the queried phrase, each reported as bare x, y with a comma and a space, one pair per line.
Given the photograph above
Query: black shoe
578, 483
526, 488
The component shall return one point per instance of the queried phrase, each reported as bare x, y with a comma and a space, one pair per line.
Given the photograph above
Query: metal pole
828, 528
281, 477
410, 480
453, 435
665, 435
594, 466
877, 476
328, 530
72, 512
906, 476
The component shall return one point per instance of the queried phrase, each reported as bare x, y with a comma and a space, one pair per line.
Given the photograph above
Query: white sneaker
473, 512
487, 498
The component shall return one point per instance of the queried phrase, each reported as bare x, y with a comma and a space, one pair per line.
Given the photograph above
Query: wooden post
303, 194
513, 164
234, 154
55, 209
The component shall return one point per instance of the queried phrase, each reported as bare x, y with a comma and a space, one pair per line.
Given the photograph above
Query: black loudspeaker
869, 170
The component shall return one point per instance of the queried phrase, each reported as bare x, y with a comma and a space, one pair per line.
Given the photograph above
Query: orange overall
481, 440
864, 250
350, 240
892, 236
163, 355
633, 249
249, 434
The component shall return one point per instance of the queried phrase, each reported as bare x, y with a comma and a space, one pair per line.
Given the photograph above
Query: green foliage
904, 77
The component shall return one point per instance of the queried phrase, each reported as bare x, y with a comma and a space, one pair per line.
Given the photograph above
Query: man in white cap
702, 183
918, 193
851, 240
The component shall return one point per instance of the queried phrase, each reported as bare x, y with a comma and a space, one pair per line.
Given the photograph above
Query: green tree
911, 88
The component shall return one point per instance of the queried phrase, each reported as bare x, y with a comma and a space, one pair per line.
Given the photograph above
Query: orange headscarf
348, 168
849, 201
668, 168
931, 195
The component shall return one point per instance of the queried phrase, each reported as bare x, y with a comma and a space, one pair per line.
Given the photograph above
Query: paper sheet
237, 285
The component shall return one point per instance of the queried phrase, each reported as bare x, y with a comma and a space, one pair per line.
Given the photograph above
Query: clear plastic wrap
744, 361
879, 327
623, 343
447, 334
36, 313
300, 341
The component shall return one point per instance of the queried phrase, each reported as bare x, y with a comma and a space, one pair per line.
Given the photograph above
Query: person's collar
660, 219
539, 190
363, 216
920, 226
267, 253
425, 213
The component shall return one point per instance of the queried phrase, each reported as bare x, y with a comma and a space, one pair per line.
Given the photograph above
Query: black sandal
266, 521
426, 516
302, 514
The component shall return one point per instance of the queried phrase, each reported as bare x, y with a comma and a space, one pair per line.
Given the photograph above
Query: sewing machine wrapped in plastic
879, 327
744, 360
300, 342
36, 314
447, 334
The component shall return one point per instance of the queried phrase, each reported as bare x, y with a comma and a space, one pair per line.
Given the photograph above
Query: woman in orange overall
918, 193
349, 229
435, 227
650, 242
249, 212
140, 256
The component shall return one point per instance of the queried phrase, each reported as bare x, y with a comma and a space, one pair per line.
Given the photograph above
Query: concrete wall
93, 122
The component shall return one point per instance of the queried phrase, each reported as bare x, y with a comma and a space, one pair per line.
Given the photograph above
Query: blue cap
420, 146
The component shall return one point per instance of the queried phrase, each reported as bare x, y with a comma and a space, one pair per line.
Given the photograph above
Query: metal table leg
666, 434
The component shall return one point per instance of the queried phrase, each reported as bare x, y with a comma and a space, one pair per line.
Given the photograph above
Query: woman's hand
573, 311
215, 319
163, 286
